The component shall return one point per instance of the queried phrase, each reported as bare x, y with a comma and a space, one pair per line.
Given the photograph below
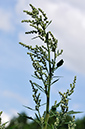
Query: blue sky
68, 26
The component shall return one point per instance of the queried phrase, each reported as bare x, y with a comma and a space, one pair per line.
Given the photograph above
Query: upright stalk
48, 92
44, 68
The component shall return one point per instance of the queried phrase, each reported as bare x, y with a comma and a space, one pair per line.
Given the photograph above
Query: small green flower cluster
39, 22
36, 97
64, 97
40, 56
61, 116
71, 124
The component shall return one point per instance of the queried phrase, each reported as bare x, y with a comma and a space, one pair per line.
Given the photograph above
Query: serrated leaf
73, 112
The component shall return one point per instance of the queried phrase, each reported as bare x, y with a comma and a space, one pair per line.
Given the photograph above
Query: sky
68, 26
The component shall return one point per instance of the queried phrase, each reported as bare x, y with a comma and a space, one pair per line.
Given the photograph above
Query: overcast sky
68, 26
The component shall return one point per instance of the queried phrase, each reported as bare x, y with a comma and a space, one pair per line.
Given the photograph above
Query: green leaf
54, 81
49, 23
35, 37
34, 76
43, 104
37, 117
30, 108
30, 118
57, 105
26, 117
52, 126
57, 76
37, 120
53, 114
73, 112
39, 87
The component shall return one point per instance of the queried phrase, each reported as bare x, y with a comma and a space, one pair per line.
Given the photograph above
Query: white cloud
21, 5
76, 106
70, 24
5, 21
17, 97
5, 118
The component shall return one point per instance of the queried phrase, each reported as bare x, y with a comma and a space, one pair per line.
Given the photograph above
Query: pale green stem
48, 93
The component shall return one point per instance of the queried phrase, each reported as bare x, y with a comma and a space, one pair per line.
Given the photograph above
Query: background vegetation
23, 123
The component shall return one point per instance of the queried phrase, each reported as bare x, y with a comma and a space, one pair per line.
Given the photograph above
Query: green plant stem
48, 92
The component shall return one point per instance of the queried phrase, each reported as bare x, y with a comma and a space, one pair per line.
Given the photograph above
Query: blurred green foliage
21, 122
2, 126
